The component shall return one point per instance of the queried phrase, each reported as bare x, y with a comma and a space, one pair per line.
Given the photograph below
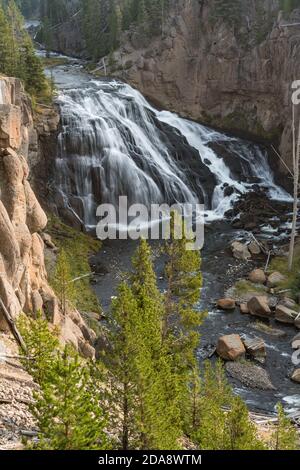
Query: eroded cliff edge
24, 285
233, 76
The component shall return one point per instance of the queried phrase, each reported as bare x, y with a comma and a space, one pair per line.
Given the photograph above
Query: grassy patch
78, 247
245, 287
292, 281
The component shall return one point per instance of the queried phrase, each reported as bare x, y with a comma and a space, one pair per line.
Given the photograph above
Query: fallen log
13, 327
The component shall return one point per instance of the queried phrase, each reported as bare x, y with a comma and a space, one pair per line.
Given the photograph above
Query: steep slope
235, 75
23, 278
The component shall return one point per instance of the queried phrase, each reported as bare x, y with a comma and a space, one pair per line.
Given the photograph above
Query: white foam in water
111, 146
292, 402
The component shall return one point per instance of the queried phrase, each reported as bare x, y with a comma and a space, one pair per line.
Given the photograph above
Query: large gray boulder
285, 315
259, 307
240, 251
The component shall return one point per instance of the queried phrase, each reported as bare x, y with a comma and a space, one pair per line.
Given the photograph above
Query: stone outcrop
236, 77
285, 315
258, 306
23, 278
240, 251
250, 375
226, 304
257, 276
255, 347
230, 347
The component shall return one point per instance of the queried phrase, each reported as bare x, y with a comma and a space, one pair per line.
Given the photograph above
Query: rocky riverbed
261, 383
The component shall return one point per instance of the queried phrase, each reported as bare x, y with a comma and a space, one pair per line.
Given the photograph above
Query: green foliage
67, 407
63, 281
289, 5
17, 54
220, 420
285, 436
41, 343
229, 10
78, 248
145, 385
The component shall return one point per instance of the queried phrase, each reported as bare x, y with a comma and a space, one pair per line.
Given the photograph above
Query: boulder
230, 347
258, 306
289, 303
254, 248
36, 218
255, 347
86, 349
48, 240
285, 315
240, 251
244, 309
296, 342
296, 376
37, 301
275, 279
297, 322
249, 374
226, 304
257, 276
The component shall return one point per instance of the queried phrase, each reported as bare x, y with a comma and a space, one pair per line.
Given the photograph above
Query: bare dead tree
296, 162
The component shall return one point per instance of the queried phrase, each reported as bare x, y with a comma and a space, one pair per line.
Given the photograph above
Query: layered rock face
233, 76
23, 277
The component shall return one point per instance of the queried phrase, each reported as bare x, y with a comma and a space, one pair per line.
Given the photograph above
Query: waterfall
114, 143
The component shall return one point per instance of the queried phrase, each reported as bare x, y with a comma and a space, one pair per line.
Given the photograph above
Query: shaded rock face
23, 277
236, 77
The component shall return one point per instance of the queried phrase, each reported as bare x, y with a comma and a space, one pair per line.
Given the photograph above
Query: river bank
220, 269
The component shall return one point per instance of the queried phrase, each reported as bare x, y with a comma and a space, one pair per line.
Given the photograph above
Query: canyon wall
234, 76
24, 285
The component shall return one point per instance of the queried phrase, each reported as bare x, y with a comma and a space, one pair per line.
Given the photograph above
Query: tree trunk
296, 161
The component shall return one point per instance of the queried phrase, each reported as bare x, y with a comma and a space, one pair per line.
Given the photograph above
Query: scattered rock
275, 279
289, 303
296, 342
296, 376
240, 251
259, 306
249, 374
255, 347
230, 347
244, 309
297, 323
254, 248
48, 240
226, 304
268, 330
285, 315
257, 276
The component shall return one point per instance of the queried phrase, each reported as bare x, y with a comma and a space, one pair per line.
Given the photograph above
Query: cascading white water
114, 143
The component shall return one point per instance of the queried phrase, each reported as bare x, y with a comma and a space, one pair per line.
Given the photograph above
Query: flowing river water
113, 142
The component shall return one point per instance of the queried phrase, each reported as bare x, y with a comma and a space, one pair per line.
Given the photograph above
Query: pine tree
242, 433
181, 320
121, 365
68, 407
7, 61
285, 436
157, 387
220, 420
63, 285
41, 343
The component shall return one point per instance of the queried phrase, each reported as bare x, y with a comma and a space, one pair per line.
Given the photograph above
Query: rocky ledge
24, 285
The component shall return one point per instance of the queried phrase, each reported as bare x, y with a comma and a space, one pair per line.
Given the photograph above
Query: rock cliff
233, 76
24, 285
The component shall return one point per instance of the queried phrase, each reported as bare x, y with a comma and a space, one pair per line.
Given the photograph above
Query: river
114, 142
